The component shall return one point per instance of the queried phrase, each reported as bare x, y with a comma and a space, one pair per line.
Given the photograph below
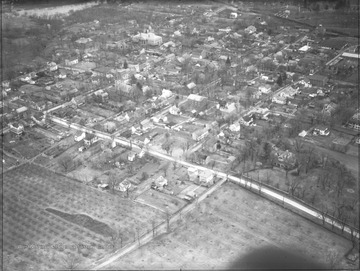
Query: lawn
83, 215
232, 225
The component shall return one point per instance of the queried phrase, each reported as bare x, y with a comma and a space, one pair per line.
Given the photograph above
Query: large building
148, 38
318, 80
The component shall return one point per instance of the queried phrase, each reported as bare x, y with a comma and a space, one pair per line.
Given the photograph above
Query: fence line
321, 218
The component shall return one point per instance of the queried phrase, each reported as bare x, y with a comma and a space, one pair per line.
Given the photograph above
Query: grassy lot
30, 189
314, 193
228, 227
98, 111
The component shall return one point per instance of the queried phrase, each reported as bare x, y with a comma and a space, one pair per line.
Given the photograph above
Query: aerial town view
180, 135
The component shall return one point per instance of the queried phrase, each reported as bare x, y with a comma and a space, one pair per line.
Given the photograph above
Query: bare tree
71, 262
138, 234
333, 258
299, 146
324, 212
167, 218
293, 185
66, 162
113, 180
165, 168
153, 225
116, 237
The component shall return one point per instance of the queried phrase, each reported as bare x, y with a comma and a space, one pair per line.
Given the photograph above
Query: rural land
180, 135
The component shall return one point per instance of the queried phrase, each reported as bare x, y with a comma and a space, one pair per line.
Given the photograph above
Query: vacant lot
36, 237
228, 227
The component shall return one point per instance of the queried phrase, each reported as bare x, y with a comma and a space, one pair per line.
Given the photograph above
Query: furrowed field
53, 222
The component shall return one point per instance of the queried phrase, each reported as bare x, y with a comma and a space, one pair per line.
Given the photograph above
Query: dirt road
161, 229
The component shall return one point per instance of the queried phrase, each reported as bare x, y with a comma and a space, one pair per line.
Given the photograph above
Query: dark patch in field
269, 258
84, 221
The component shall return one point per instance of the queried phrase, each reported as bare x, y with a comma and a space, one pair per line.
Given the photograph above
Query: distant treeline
54, 2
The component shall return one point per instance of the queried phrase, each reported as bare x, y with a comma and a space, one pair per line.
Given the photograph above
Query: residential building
132, 156
265, 89
199, 134
90, 139
201, 177
174, 110
52, 66
285, 159
341, 144
279, 99
357, 140
246, 120
354, 122
102, 94
160, 182
329, 108
71, 61
197, 101
233, 15
321, 130
124, 186
78, 100
250, 30
16, 128
79, 136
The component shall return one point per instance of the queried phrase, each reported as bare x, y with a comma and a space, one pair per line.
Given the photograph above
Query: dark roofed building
334, 44
318, 80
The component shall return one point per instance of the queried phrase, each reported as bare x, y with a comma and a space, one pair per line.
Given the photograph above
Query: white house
233, 15
206, 177
174, 110
166, 93
16, 128
52, 66
250, 30
123, 186
199, 134
72, 61
279, 99
79, 136
265, 89
246, 120
235, 127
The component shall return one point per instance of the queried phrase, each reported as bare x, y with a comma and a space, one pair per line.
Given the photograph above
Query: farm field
226, 231
46, 216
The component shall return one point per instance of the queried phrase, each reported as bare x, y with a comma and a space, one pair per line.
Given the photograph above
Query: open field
229, 228
79, 214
